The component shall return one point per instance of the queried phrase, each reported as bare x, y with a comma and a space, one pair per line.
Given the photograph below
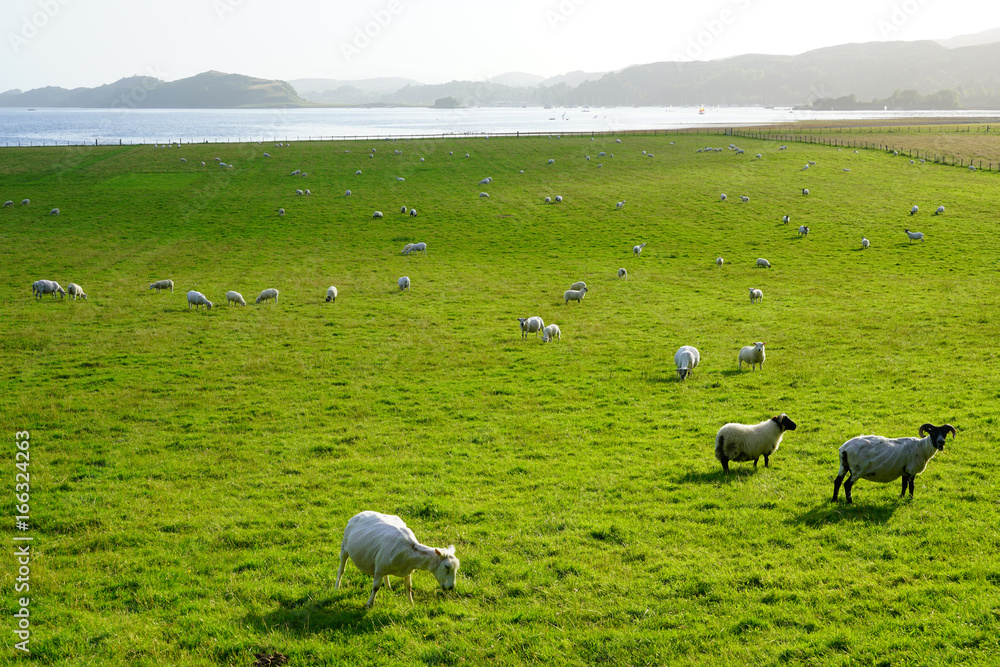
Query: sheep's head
683, 373
759, 346
938, 434
523, 321
784, 423
446, 569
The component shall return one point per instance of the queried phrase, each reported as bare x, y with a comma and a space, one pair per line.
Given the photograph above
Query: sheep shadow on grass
314, 616
833, 513
717, 475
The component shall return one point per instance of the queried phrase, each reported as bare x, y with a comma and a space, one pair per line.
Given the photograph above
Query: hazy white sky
73, 43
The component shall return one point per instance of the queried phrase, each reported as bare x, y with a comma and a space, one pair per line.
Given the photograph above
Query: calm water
107, 126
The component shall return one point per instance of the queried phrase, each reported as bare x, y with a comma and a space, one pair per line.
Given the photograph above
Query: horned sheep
746, 442
381, 545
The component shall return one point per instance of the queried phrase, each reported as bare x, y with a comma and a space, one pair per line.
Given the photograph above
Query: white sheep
939, 211
551, 332
76, 291
197, 299
357, 173
805, 191
744, 199
416, 247
347, 194
162, 284
548, 200
403, 209
413, 212
723, 197
913, 211
637, 249
622, 274
864, 243
759, 156
719, 261
551, 161
620, 205
400, 178
686, 359
530, 325
753, 355
558, 198
54, 211
331, 293
299, 192
42, 287
381, 545
915, 236
755, 295
786, 219
803, 230
294, 173
880, 459
763, 263
574, 295
404, 283
484, 195
485, 181
235, 297
25, 202
746, 442
377, 214
267, 294
281, 212
578, 285
8, 203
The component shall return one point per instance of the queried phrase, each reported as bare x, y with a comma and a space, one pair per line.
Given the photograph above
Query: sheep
723, 197
939, 211
744, 199
551, 332
299, 192
601, 154
846, 169
622, 274
76, 291
404, 283
864, 243
25, 202
686, 359
42, 287
485, 181
347, 194
786, 219
578, 285
357, 173
403, 210
466, 155
759, 156
914, 209
574, 295
294, 173
745, 442
381, 544
548, 200
9, 203
235, 297
530, 325
484, 195
269, 293
407, 248
637, 249
558, 198
755, 295
753, 355
763, 263
267, 155
719, 261
308, 192
803, 230
400, 178
620, 205
162, 284
54, 211
415, 247
551, 161
377, 214
805, 191
413, 212
331, 293
915, 236
880, 459
197, 299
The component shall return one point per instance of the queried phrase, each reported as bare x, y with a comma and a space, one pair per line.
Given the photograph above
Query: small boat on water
701, 110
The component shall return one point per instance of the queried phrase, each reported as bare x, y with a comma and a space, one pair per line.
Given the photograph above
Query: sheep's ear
438, 552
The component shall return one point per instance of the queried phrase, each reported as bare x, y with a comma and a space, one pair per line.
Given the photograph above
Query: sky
73, 43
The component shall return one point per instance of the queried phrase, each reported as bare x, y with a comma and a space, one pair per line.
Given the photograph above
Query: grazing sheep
294, 173
377, 214
299, 192
25, 202
9, 203
753, 355
235, 297
637, 249
578, 285
763, 263
415, 247
755, 295
880, 459
558, 198
404, 283
76, 291
622, 273
548, 200
744, 199
357, 173
745, 442
551, 332
551, 161
197, 299
54, 211
723, 197
915, 236
846, 169
939, 211
347, 194
719, 261
269, 293
381, 544
786, 219
530, 325
308, 192
162, 284
620, 205
864, 243
803, 230
413, 212
484, 195
686, 359
805, 191
281, 212
331, 293
403, 209
41, 287
574, 295
914, 210
400, 178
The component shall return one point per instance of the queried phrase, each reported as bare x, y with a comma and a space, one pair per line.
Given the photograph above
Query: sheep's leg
755, 461
409, 587
836, 486
343, 564
725, 465
765, 460
912, 479
847, 488
375, 586
903, 492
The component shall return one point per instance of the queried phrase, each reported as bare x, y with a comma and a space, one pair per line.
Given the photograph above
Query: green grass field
191, 472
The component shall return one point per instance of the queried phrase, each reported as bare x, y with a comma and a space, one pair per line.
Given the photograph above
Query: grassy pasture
192, 471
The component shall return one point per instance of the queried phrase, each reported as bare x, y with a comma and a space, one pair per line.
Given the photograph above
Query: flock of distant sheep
381, 545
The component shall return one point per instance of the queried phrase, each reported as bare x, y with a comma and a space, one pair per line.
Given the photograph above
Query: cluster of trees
902, 100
